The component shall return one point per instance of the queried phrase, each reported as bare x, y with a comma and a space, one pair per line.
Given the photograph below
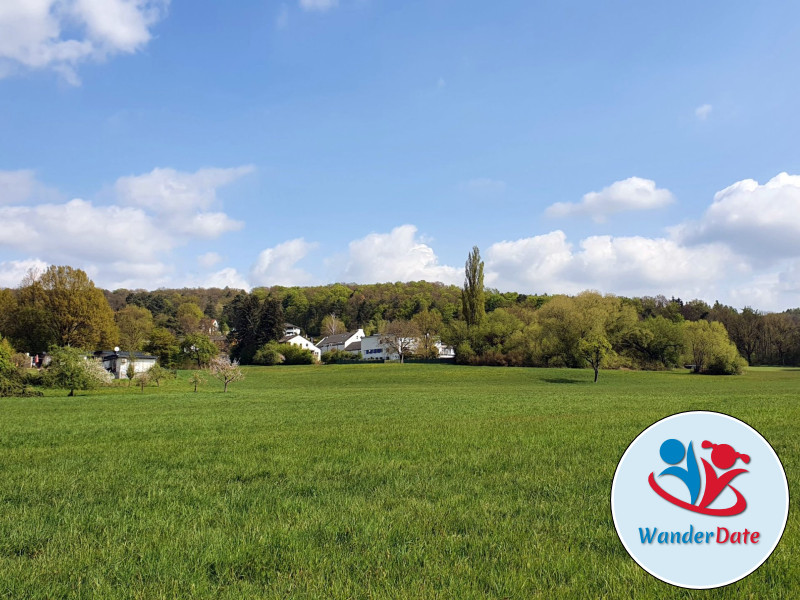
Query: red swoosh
737, 508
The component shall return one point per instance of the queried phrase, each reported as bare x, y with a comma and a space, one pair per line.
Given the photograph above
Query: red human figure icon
724, 457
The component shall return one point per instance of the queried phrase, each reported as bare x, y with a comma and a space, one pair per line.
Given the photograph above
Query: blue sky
630, 148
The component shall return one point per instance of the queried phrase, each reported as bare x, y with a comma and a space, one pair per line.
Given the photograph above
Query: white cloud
171, 191
762, 221
209, 260
79, 229
396, 256
12, 271
318, 5
123, 245
277, 266
622, 265
702, 112
181, 199
227, 277
633, 193
17, 187
61, 34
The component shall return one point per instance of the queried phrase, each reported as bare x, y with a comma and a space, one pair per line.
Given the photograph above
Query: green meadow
358, 481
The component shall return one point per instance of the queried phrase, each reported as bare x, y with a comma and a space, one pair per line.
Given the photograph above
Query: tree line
62, 307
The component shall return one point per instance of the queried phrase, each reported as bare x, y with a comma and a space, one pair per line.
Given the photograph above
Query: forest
62, 307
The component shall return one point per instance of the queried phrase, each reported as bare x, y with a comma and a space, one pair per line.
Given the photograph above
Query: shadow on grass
564, 380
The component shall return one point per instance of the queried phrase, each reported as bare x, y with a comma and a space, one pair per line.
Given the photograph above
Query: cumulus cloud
702, 112
171, 191
209, 260
396, 256
629, 194
623, 265
318, 5
17, 187
80, 230
12, 271
762, 221
123, 244
62, 34
278, 265
181, 200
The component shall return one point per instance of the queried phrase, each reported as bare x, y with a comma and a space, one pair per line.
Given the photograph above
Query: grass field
384, 481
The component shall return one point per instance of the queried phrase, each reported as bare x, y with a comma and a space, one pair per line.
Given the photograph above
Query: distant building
116, 362
371, 348
340, 341
299, 340
289, 329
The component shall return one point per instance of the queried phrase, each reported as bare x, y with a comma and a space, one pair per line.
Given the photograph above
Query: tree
157, 374
71, 369
135, 325
200, 348
8, 306
400, 337
594, 347
164, 346
472, 296
142, 379
429, 326
196, 379
781, 330
64, 303
253, 323
190, 317
225, 370
746, 331
332, 325
710, 349
655, 342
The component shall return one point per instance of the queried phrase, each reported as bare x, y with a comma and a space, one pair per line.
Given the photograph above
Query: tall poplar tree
472, 300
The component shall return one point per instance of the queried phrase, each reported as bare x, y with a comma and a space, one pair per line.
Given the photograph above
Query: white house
289, 329
299, 340
340, 341
371, 348
116, 362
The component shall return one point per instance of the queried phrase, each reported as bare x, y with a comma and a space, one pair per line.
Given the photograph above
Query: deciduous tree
400, 337
225, 370
135, 325
69, 308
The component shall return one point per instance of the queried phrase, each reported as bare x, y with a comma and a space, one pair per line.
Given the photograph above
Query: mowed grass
360, 481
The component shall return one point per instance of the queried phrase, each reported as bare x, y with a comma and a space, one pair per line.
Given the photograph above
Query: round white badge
700, 500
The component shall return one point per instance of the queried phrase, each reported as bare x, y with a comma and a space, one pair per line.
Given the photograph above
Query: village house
299, 340
116, 362
340, 341
371, 348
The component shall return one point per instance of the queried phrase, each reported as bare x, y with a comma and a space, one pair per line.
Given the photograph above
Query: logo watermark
676, 508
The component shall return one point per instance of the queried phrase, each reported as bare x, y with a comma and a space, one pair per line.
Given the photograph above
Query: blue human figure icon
672, 452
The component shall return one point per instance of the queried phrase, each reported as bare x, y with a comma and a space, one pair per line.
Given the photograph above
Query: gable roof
122, 354
353, 346
339, 338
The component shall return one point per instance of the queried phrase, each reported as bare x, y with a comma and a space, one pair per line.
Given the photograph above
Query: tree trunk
596, 369
226, 387
71, 394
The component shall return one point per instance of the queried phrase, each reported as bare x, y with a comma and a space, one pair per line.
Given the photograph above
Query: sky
629, 148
